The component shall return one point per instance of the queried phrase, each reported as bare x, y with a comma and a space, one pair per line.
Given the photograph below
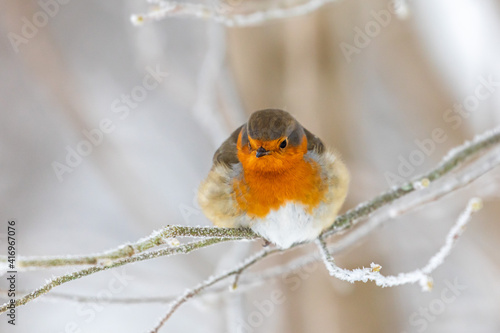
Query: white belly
288, 225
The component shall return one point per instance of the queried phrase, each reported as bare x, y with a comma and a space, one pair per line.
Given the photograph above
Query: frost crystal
426, 283
173, 242
476, 204
421, 184
375, 267
137, 20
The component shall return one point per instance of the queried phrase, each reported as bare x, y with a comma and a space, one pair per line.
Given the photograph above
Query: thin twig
452, 160
186, 248
418, 275
236, 280
160, 237
190, 293
74, 298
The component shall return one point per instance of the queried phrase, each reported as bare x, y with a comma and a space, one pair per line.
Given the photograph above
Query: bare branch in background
233, 14
225, 13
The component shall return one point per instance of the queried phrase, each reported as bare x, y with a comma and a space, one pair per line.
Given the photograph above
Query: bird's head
271, 141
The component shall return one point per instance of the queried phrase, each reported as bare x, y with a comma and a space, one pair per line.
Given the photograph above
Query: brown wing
228, 153
313, 142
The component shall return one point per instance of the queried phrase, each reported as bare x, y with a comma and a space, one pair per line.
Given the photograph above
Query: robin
277, 178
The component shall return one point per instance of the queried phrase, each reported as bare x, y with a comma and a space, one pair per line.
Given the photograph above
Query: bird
275, 177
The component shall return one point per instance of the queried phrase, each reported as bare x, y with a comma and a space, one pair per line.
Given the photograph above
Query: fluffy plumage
276, 177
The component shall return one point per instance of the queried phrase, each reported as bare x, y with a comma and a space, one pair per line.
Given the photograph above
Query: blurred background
147, 107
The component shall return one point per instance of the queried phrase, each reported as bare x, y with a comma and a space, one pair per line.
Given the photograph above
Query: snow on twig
419, 275
57, 281
166, 236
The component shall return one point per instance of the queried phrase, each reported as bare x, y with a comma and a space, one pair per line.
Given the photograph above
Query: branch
298, 263
160, 237
371, 274
418, 275
75, 298
457, 156
450, 162
364, 274
186, 248
224, 14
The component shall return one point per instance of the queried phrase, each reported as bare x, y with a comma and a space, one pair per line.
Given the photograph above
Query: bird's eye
283, 144
249, 146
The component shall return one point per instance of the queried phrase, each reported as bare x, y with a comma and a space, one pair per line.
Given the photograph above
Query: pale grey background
144, 174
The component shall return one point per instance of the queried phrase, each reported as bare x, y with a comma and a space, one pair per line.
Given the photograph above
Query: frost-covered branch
364, 274
213, 235
238, 13
166, 236
418, 275
450, 162
226, 13
256, 279
186, 248
455, 158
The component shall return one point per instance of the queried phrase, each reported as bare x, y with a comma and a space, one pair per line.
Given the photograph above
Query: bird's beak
261, 152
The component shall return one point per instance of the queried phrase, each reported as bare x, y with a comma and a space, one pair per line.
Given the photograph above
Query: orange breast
285, 178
